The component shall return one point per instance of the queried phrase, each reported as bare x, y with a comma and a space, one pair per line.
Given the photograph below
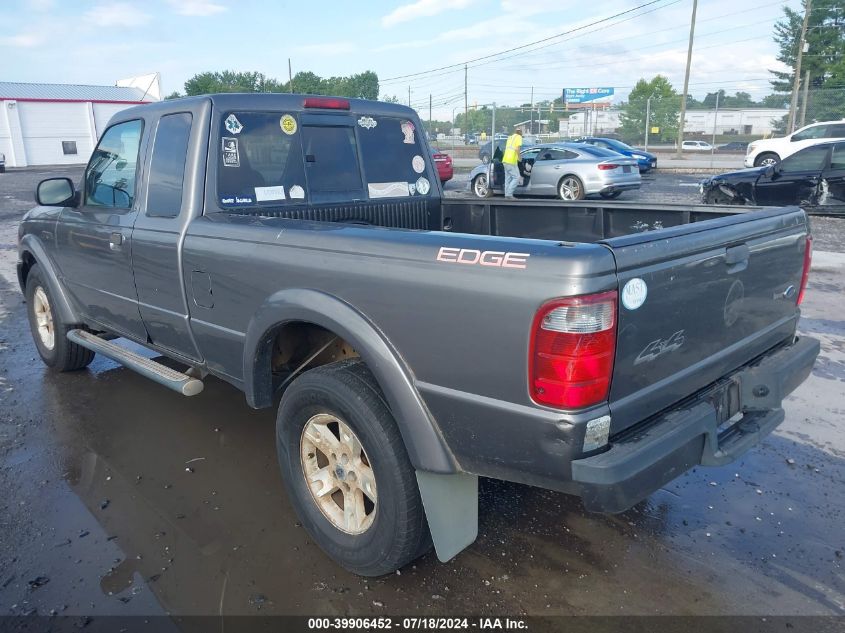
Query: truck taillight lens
805, 274
573, 344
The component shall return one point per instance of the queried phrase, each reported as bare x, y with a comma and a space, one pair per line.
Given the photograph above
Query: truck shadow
197, 506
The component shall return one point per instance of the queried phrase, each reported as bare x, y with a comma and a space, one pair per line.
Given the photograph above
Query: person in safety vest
510, 160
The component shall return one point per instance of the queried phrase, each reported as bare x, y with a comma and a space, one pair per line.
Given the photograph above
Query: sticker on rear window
418, 164
408, 131
233, 125
263, 194
367, 122
297, 193
231, 158
634, 293
388, 189
423, 186
288, 124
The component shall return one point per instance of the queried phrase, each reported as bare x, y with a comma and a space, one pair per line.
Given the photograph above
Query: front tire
570, 188
480, 188
347, 472
610, 195
766, 158
48, 330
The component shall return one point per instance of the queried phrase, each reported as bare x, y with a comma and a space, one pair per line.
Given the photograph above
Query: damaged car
813, 178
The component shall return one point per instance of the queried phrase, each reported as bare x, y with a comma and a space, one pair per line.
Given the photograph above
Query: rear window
259, 160
393, 157
599, 152
331, 162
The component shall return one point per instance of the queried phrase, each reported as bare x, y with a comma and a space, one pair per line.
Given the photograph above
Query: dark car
813, 177
443, 163
645, 160
486, 149
733, 146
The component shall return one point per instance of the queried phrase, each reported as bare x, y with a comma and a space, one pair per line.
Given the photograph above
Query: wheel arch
31, 251
423, 440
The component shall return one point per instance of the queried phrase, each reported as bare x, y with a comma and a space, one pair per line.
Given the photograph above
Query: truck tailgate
718, 294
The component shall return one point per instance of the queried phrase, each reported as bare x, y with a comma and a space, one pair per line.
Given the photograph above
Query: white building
739, 121
59, 124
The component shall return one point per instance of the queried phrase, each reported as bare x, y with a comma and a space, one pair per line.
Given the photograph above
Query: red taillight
329, 103
573, 344
805, 274
606, 166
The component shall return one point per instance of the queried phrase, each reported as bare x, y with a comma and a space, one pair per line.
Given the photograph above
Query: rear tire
337, 441
49, 332
766, 158
610, 195
570, 188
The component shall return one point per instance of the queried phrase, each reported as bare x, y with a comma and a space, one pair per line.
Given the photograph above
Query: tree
362, 86
739, 100
665, 107
173, 95
824, 58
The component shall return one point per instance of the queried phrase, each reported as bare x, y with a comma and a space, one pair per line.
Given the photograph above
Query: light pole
647, 118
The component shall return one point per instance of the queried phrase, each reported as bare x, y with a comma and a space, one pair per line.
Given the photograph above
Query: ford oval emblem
634, 293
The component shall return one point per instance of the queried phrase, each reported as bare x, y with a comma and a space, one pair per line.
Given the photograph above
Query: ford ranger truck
301, 249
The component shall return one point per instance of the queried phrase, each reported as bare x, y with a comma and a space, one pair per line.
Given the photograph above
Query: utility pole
686, 81
715, 121
806, 95
290, 76
466, 105
531, 125
796, 81
647, 118
409, 96
429, 114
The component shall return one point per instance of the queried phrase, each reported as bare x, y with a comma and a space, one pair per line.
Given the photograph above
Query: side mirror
56, 192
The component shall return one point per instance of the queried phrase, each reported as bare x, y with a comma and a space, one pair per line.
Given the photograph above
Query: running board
163, 375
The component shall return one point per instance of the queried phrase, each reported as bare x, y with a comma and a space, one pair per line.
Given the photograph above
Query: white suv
771, 151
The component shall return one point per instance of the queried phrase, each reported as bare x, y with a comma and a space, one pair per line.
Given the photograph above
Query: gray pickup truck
301, 249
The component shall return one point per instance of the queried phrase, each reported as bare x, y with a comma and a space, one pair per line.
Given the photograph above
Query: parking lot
121, 497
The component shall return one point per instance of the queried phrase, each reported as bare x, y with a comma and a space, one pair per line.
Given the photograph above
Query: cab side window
111, 172
818, 131
835, 131
810, 159
167, 169
837, 162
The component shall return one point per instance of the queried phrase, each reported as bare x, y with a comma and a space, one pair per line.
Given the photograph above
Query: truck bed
586, 222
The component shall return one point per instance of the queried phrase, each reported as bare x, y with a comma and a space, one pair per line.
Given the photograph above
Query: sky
580, 44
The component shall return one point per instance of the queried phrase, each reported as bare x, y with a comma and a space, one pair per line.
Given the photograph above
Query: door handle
116, 241
736, 257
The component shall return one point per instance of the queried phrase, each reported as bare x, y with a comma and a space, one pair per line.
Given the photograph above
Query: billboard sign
585, 95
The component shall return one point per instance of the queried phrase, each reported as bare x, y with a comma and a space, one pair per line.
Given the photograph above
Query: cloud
201, 8
117, 14
422, 8
22, 40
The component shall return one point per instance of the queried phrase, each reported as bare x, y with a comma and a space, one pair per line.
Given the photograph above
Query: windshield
619, 145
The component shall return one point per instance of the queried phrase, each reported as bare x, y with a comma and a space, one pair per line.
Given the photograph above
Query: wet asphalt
120, 497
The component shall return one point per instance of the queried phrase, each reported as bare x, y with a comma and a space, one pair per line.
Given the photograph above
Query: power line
515, 48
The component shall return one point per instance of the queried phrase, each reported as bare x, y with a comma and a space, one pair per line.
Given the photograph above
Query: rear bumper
647, 457
623, 186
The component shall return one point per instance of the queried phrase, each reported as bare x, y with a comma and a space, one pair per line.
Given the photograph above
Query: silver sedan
569, 171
